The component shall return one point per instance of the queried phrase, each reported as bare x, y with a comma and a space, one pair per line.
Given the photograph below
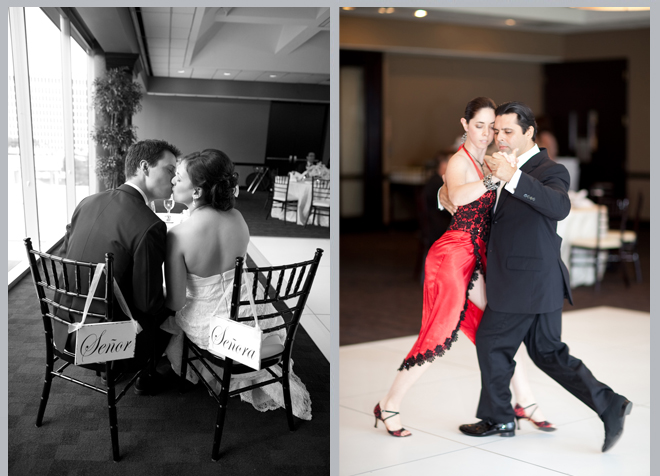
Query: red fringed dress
449, 273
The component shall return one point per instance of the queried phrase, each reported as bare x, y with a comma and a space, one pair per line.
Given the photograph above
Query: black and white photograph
169, 254
495, 241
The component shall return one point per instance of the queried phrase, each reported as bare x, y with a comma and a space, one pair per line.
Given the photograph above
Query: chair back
321, 191
285, 287
61, 285
281, 187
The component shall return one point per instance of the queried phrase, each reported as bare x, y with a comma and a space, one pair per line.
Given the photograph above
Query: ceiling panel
249, 43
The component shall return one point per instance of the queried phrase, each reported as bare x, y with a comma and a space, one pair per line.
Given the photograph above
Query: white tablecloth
301, 191
175, 218
580, 223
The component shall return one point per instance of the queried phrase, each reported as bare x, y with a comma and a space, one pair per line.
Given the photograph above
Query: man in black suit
121, 222
527, 283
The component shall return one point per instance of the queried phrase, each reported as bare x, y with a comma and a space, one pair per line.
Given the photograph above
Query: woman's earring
464, 138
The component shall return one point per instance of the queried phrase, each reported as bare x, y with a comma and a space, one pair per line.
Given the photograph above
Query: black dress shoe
150, 384
487, 428
613, 418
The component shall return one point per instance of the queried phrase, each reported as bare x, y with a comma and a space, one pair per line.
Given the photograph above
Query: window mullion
24, 112
67, 100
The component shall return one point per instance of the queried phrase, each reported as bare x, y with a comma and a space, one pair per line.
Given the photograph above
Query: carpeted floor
167, 434
252, 208
381, 292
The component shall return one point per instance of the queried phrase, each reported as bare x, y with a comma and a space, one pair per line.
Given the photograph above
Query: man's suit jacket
525, 273
119, 222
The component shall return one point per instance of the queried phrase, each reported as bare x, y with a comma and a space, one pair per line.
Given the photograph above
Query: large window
48, 131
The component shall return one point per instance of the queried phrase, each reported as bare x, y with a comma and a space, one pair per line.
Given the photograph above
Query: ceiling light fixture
182, 71
273, 76
227, 74
348, 8
615, 9
386, 11
510, 22
420, 13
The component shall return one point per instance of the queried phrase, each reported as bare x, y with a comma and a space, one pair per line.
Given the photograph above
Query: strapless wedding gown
203, 297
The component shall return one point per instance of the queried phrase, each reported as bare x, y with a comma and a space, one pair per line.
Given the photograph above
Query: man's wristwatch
488, 182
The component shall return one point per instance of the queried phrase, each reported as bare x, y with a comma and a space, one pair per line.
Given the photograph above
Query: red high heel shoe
378, 413
540, 425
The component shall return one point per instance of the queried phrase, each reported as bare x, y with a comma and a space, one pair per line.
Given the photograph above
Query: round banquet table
580, 223
301, 191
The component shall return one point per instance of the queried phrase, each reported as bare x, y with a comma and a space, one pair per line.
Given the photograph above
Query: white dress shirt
513, 183
139, 190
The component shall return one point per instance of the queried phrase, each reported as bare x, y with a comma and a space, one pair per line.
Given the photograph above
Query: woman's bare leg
403, 381
522, 391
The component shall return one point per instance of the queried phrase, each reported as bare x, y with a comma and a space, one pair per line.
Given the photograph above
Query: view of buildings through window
45, 106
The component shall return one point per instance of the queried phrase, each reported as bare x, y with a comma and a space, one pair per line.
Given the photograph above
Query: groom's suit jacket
525, 272
119, 221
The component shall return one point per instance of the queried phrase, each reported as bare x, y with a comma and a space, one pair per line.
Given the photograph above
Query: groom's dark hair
149, 150
523, 113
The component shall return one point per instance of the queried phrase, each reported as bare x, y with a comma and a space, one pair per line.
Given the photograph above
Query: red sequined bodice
474, 218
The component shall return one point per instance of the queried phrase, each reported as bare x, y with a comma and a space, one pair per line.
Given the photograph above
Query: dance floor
276, 250
614, 343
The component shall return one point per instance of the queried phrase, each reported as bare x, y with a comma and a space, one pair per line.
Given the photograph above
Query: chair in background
629, 252
55, 277
279, 199
286, 287
320, 200
608, 244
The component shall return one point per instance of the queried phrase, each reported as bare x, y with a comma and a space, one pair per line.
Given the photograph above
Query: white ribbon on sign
243, 337
100, 269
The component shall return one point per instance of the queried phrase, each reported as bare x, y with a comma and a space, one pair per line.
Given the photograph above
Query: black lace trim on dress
440, 349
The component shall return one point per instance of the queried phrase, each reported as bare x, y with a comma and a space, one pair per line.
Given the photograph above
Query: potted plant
116, 99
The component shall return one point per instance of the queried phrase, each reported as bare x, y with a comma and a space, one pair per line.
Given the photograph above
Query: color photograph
495, 240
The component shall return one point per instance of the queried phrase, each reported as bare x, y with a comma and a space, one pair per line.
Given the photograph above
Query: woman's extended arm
460, 191
175, 272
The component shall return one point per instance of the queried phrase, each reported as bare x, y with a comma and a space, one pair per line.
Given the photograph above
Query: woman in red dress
455, 271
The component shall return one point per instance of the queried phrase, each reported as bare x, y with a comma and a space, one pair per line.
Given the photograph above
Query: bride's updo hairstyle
476, 105
213, 172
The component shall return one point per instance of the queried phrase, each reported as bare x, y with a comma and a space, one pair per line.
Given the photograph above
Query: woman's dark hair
523, 113
476, 105
213, 172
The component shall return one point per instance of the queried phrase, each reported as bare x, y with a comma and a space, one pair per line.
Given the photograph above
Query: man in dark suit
527, 283
121, 222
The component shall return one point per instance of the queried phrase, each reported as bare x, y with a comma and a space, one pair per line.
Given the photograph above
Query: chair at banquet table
286, 288
279, 199
55, 277
320, 200
629, 253
608, 244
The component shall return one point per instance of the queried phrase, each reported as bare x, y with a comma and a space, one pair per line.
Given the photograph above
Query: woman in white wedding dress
199, 268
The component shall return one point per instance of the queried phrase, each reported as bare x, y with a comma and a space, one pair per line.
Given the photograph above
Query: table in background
301, 191
580, 223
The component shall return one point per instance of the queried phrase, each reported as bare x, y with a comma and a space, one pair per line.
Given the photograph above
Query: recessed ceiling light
182, 71
273, 76
510, 22
348, 8
420, 13
227, 74
615, 9
387, 10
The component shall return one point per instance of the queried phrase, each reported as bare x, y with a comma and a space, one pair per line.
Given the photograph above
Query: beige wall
425, 99
431, 70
